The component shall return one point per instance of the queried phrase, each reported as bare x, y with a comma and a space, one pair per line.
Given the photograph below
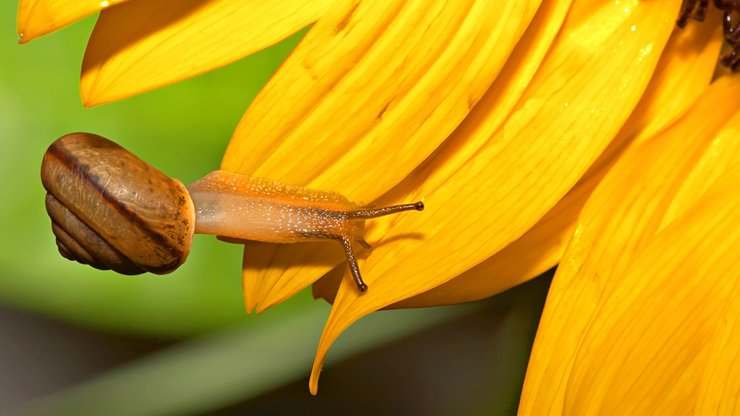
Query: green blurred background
182, 130
190, 348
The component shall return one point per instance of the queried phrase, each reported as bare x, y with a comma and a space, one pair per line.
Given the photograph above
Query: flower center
730, 25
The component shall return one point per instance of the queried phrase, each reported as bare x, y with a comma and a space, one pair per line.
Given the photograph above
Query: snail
111, 210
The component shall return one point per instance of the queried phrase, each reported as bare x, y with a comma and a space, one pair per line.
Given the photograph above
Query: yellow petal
272, 276
585, 88
657, 320
146, 44
417, 69
684, 70
621, 217
720, 384
39, 17
719, 157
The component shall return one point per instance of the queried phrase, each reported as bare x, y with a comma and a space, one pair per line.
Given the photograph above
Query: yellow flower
526, 127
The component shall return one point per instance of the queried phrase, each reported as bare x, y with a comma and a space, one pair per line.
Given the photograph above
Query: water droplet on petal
645, 52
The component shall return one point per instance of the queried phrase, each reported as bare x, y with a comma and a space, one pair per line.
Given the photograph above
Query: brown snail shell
111, 210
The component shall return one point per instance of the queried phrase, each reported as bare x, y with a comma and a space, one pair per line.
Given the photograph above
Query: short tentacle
354, 268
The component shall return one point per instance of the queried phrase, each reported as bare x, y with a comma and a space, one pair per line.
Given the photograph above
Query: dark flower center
730, 25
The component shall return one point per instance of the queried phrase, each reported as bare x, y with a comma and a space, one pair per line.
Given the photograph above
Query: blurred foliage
182, 130
464, 359
226, 367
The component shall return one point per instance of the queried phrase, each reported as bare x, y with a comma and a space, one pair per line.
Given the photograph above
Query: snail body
111, 210
240, 207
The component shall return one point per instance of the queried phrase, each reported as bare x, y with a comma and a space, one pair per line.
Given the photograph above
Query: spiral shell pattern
111, 210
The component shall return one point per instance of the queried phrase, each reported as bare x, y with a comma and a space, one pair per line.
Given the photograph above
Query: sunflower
591, 134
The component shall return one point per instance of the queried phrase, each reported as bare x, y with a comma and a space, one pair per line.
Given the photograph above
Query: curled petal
582, 90
146, 44
39, 17
684, 70
621, 217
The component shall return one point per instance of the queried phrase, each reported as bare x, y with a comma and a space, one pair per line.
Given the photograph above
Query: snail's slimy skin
231, 205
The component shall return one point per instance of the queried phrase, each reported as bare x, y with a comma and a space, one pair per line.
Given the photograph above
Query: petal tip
88, 98
91, 98
313, 382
